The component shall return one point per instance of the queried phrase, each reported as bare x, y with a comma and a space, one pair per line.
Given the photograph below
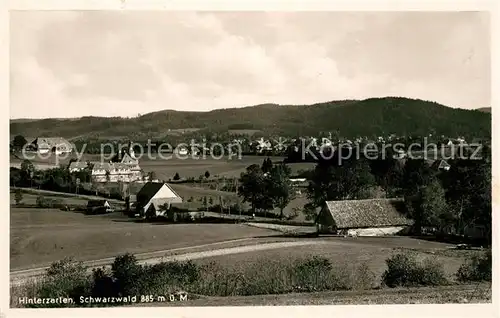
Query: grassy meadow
39, 237
166, 168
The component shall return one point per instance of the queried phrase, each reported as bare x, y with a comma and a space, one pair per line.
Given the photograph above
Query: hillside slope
485, 109
351, 118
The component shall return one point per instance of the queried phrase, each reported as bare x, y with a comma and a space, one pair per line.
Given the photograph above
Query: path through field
22, 276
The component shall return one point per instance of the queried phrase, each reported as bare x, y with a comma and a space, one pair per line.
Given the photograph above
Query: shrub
128, 278
127, 273
103, 283
293, 214
276, 277
18, 196
40, 201
362, 278
477, 268
65, 278
115, 193
430, 273
399, 270
312, 274
168, 277
43, 202
176, 176
404, 270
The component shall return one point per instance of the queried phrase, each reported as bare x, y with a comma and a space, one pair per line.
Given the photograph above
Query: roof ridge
372, 199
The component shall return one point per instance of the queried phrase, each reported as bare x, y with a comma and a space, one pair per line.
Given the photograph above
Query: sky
119, 63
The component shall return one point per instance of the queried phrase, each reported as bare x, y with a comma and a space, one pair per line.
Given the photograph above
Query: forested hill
374, 116
485, 109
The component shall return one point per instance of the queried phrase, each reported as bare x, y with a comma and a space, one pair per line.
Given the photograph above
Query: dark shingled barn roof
149, 190
367, 213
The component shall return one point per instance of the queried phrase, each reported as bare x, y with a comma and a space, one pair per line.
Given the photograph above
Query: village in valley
122, 176
286, 192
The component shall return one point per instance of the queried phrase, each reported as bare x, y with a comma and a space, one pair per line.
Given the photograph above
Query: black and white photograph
214, 158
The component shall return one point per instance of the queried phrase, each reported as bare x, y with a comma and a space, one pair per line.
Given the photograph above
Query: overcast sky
69, 64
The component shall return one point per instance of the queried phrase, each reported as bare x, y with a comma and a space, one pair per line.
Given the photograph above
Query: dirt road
23, 276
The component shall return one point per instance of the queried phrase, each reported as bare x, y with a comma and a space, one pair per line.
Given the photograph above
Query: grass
29, 198
187, 191
249, 132
422, 295
286, 229
307, 280
41, 236
67, 197
129, 278
166, 169
371, 251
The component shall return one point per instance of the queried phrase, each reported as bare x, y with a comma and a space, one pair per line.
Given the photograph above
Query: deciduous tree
267, 165
252, 184
346, 181
19, 142
279, 187
18, 196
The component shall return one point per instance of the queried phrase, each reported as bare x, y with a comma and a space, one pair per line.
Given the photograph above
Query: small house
371, 217
155, 199
77, 166
181, 151
98, 207
441, 165
58, 145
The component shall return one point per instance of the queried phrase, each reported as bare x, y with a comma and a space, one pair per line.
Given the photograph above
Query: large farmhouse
155, 199
57, 145
109, 171
114, 172
127, 158
123, 167
369, 217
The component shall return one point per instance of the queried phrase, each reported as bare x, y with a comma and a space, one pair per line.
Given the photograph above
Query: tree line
447, 201
378, 116
267, 186
60, 179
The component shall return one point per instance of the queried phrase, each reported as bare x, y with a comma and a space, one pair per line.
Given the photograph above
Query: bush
477, 268
294, 214
54, 203
318, 274
127, 273
362, 278
18, 196
128, 278
276, 277
404, 270
430, 273
103, 283
65, 278
167, 277
115, 193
